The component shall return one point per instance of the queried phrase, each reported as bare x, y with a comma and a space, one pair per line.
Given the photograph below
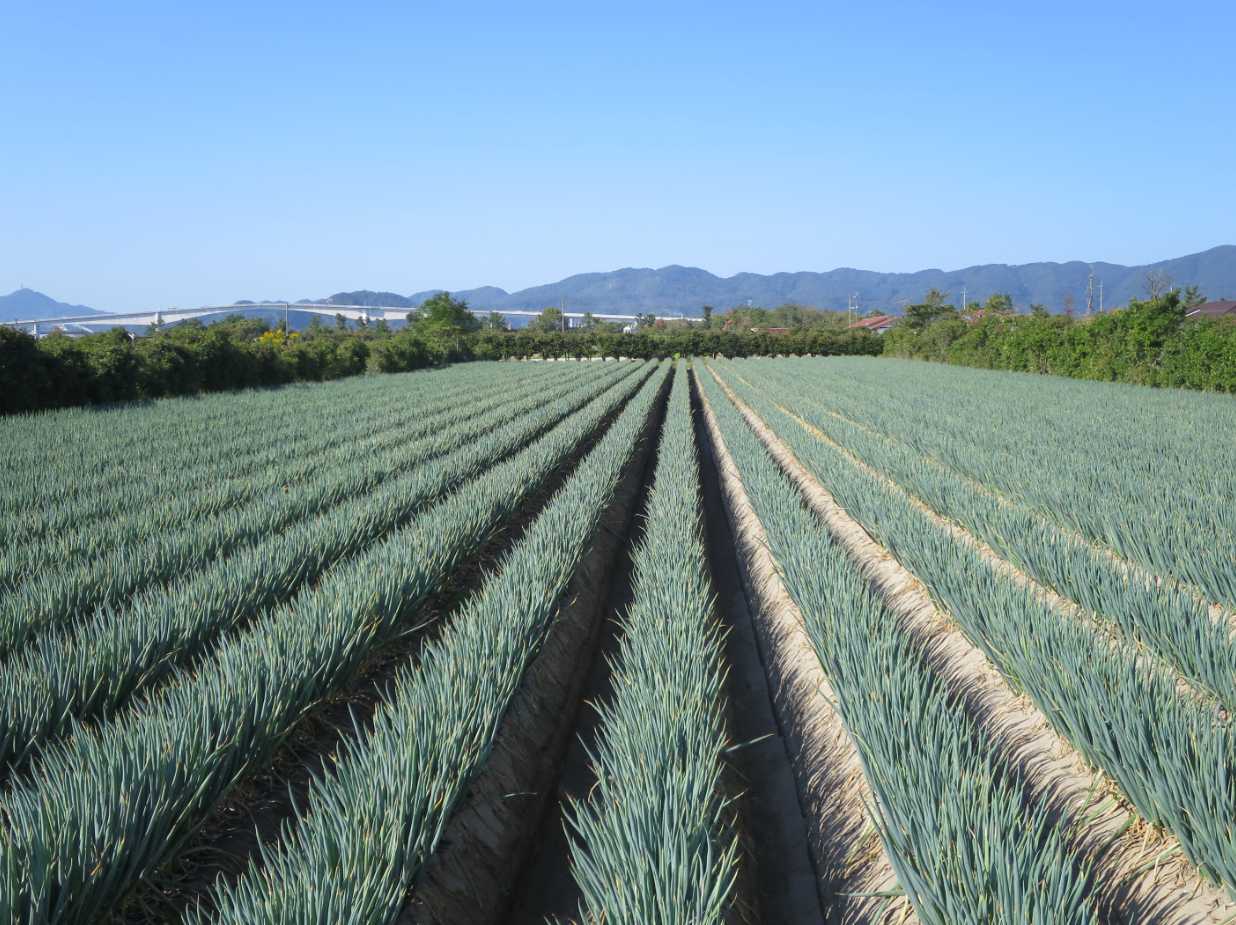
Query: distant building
1223, 308
876, 324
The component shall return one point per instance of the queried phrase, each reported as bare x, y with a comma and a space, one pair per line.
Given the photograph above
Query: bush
1148, 343
681, 342
26, 373
400, 353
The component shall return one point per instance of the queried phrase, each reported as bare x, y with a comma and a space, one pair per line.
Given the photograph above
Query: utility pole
1090, 294
963, 298
1100, 297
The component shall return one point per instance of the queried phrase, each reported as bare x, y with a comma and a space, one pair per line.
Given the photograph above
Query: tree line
60, 371
1148, 342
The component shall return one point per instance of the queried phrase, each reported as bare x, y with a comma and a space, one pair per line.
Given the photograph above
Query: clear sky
181, 154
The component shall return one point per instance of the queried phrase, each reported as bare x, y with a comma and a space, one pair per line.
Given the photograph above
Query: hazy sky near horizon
156, 154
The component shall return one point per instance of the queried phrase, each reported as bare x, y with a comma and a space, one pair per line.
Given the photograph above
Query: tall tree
441, 315
999, 302
933, 307
1158, 283
550, 319
1192, 297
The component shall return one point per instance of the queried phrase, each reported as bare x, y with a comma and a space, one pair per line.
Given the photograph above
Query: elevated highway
365, 314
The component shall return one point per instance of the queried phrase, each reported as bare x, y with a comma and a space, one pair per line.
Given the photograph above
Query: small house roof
875, 321
1216, 309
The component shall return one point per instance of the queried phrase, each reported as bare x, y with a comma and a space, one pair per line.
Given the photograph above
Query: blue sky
174, 154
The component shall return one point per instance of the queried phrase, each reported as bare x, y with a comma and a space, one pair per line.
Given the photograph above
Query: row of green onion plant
1171, 755
111, 463
1149, 473
186, 490
57, 598
1169, 620
967, 842
90, 673
652, 842
368, 827
112, 803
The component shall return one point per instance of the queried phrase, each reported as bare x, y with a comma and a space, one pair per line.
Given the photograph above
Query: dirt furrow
851, 867
473, 874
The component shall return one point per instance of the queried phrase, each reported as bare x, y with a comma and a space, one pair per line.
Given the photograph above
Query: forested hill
687, 289
26, 303
677, 288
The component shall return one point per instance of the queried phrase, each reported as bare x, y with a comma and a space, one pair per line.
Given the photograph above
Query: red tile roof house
876, 324
1223, 308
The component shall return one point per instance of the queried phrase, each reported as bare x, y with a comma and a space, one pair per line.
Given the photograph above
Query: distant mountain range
24, 304
687, 289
